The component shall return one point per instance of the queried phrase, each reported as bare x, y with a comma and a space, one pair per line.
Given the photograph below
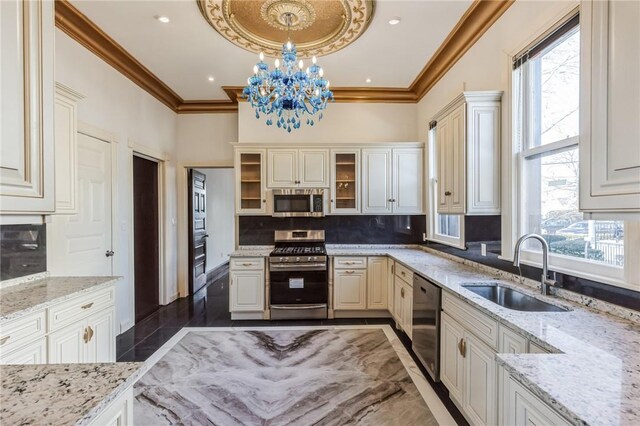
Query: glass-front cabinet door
250, 184
345, 181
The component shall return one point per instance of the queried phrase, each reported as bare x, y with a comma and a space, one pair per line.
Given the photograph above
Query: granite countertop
252, 251
593, 374
20, 299
62, 394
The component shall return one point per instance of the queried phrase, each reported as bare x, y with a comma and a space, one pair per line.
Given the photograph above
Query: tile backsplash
357, 229
23, 250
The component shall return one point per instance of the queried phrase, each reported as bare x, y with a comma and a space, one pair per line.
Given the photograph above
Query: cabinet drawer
80, 307
350, 262
511, 342
32, 353
404, 273
473, 320
248, 263
17, 332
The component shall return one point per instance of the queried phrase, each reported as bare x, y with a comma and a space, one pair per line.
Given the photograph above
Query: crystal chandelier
288, 93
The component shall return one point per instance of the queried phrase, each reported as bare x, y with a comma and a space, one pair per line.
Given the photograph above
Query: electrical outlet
483, 249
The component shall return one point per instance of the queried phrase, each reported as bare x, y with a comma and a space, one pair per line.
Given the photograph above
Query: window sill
453, 242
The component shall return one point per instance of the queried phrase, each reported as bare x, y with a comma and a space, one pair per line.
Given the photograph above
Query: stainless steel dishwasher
426, 324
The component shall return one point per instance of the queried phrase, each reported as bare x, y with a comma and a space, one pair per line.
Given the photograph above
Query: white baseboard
378, 313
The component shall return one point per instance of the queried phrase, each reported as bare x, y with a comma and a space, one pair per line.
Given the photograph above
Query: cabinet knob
402, 292
109, 253
264, 201
447, 193
462, 347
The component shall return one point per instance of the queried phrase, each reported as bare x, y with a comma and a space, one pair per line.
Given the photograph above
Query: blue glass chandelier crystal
289, 93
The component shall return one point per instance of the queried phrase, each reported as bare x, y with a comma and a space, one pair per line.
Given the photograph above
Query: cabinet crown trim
475, 96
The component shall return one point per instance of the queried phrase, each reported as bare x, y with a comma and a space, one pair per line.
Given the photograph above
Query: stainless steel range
298, 275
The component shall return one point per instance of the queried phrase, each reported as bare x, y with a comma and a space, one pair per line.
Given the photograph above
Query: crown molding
480, 16
473, 24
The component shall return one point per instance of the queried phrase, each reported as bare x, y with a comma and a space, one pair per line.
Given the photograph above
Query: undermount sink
511, 299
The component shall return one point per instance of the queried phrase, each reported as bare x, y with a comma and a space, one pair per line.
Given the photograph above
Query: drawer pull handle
247, 264
88, 334
87, 306
350, 272
462, 347
4, 340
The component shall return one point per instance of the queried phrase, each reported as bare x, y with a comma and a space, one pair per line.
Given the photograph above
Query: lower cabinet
520, 407
246, 290
90, 340
377, 293
350, 287
33, 353
403, 305
117, 413
451, 364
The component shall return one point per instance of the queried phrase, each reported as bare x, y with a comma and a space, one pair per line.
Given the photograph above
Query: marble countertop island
61, 394
592, 375
20, 299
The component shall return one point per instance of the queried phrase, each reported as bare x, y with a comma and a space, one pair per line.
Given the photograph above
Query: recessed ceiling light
368, 80
211, 78
163, 19
394, 21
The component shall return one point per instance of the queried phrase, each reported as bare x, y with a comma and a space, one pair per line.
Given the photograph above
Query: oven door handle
296, 307
297, 267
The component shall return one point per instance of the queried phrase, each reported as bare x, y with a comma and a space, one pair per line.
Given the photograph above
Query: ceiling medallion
318, 27
300, 12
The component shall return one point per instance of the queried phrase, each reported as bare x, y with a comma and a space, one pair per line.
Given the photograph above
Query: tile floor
209, 308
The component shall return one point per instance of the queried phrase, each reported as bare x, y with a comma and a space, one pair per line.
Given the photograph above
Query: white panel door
480, 402
456, 168
376, 181
102, 337
350, 289
610, 106
377, 291
397, 301
78, 243
407, 180
246, 291
282, 168
407, 309
67, 345
314, 168
451, 362
33, 353
443, 137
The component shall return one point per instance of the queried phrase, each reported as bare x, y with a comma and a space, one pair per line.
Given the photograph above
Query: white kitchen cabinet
408, 176
480, 396
376, 181
119, 412
511, 342
468, 155
313, 168
345, 181
537, 349
282, 168
307, 167
377, 291
246, 290
250, 181
397, 301
101, 346
350, 289
520, 407
66, 143
392, 180
27, 181
610, 107
451, 361
32, 353
403, 305
67, 345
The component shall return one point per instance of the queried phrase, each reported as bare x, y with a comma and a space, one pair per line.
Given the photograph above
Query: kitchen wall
114, 104
342, 123
220, 215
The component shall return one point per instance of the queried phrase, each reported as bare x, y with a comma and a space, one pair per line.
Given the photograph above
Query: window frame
432, 188
627, 276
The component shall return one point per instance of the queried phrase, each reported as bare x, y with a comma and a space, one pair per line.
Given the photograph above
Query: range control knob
281, 259
297, 259
315, 258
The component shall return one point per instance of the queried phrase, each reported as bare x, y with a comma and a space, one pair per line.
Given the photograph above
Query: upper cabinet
392, 180
298, 168
345, 181
467, 155
27, 105
66, 137
250, 188
610, 107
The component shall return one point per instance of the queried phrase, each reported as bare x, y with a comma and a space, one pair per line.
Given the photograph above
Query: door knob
109, 253
447, 193
206, 235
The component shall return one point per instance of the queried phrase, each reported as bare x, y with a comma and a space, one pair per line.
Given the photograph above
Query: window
442, 228
546, 89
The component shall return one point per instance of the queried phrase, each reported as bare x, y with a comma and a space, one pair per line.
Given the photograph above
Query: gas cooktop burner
297, 250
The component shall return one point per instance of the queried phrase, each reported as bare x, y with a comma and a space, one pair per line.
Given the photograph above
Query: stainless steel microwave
306, 202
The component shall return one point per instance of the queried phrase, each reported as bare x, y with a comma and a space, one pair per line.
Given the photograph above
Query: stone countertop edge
129, 381
97, 286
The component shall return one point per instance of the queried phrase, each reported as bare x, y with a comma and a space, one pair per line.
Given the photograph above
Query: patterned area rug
280, 377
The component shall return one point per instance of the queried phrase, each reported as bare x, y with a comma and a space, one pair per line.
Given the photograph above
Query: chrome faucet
545, 283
